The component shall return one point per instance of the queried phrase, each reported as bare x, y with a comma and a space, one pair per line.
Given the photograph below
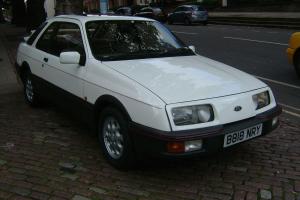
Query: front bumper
154, 142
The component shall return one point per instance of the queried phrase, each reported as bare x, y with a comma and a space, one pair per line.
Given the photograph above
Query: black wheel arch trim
106, 100
20, 69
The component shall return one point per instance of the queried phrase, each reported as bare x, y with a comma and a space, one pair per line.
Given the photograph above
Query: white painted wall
224, 3
49, 6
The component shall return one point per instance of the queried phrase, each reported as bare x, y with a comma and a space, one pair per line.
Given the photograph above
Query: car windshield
129, 39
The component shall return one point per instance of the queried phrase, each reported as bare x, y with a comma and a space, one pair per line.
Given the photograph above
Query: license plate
242, 135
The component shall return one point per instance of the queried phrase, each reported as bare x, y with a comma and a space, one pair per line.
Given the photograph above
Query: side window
178, 9
120, 11
187, 9
148, 10
46, 41
68, 38
127, 11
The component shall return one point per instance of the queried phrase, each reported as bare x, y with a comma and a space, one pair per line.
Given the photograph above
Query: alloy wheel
29, 90
113, 138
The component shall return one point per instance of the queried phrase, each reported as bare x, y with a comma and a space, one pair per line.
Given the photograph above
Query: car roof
83, 18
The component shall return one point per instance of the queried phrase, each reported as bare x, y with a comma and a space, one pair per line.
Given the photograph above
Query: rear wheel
297, 63
30, 92
114, 138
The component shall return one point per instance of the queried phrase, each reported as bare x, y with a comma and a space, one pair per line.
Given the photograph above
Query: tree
69, 7
36, 14
18, 12
1, 14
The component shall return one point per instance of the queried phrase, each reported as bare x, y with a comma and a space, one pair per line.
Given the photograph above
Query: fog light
274, 121
193, 145
175, 147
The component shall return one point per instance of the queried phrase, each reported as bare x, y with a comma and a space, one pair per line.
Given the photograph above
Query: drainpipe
103, 6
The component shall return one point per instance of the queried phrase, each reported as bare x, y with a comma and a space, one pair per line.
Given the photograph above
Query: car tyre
114, 139
204, 23
30, 92
297, 63
170, 21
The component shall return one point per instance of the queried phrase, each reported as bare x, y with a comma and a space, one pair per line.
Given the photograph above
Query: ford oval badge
237, 108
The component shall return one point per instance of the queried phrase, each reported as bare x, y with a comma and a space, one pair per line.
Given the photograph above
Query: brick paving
44, 154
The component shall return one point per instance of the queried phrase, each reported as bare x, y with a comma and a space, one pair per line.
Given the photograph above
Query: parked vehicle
127, 11
293, 51
144, 91
152, 13
188, 14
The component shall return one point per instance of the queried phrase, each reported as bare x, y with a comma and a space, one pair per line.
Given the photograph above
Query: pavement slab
32, 170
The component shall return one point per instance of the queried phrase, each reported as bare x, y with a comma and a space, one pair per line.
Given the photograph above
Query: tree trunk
36, 14
1, 13
18, 12
66, 7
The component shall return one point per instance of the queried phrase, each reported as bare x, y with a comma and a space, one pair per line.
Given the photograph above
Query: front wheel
114, 138
297, 63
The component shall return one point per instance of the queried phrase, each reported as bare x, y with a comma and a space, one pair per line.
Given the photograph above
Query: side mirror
25, 39
71, 57
193, 48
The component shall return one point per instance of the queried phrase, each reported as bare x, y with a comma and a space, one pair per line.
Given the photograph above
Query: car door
41, 49
186, 13
127, 12
66, 80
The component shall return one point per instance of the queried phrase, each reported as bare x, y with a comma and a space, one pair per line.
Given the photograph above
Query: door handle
46, 59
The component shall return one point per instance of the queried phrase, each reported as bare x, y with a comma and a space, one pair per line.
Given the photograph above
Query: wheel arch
23, 69
109, 100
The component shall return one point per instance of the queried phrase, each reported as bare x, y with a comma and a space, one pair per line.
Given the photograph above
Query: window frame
36, 33
58, 22
92, 55
178, 9
42, 35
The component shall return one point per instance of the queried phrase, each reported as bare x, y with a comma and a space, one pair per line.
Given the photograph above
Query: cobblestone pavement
44, 154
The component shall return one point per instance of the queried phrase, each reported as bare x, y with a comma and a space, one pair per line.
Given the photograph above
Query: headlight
261, 100
189, 115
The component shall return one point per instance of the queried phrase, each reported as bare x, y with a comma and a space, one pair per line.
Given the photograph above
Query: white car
145, 92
